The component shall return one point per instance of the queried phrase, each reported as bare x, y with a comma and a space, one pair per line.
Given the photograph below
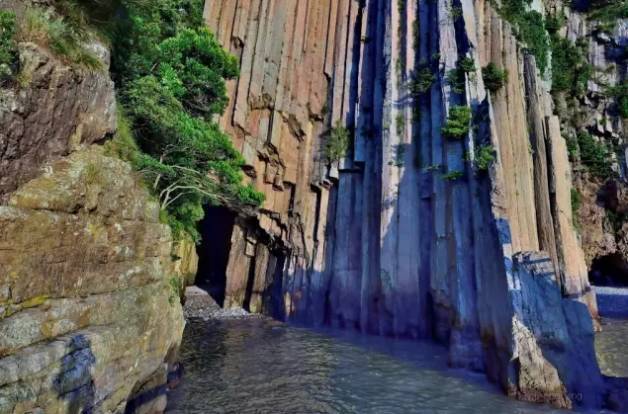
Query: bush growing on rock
530, 29
422, 81
494, 77
456, 77
484, 157
594, 155
337, 143
620, 93
570, 70
466, 64
8, 49
457, 124
171, 72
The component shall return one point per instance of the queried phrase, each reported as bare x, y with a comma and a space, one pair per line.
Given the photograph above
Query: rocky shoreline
198, 304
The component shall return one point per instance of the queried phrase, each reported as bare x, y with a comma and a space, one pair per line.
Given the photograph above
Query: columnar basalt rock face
409, 222
296, 64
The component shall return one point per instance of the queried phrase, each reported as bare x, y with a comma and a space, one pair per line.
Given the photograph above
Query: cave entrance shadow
74, 383
609, 270
213, 251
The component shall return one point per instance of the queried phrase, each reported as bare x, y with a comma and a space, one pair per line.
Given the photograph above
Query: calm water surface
260, 366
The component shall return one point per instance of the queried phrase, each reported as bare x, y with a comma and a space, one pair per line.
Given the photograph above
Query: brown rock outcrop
87, 315
90, 316
41, 123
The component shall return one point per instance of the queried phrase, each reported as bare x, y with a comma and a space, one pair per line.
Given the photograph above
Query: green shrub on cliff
570, 70
421, 81
457, 124
620, 93
494, 77
529, 27
594, 155
8, 49
608, 13
484, 157
337, 143
170, 72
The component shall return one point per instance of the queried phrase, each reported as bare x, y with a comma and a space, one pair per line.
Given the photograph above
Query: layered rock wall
90, 316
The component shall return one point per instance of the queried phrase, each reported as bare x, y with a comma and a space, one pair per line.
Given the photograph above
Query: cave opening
610, 270
213, 251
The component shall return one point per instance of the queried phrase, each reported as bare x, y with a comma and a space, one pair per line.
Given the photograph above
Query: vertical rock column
297, 79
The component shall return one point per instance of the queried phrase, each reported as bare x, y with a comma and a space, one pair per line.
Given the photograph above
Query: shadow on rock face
74, 383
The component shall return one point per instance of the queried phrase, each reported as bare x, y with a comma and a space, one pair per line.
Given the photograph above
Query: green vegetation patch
337, 143
529, 28
620, 93
494, 77
570, 69
576, 203
453, 175
457, 124
422, 81
484, 157
170, 72
57, 33
594, 155
608, 13
8, 47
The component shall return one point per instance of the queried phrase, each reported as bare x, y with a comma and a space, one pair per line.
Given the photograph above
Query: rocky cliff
410, 234
89, 308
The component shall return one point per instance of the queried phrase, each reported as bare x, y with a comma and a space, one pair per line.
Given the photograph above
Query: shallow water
611, 346
260, 366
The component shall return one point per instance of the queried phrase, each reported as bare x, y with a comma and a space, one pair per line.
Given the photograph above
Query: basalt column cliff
450, 213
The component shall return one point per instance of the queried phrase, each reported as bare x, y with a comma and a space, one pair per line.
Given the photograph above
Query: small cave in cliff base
609, 270
213, 251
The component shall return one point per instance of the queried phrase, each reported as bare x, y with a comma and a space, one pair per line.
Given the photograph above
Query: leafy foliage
530, 27
456, 79
494, 77
620, 93
422, 81
576, 203
171, 71
594, 155
576, 200
570, 70
608, 12
457, 124
337, 143
466, 64
484, 157
400, 124
123, 144
8, 48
